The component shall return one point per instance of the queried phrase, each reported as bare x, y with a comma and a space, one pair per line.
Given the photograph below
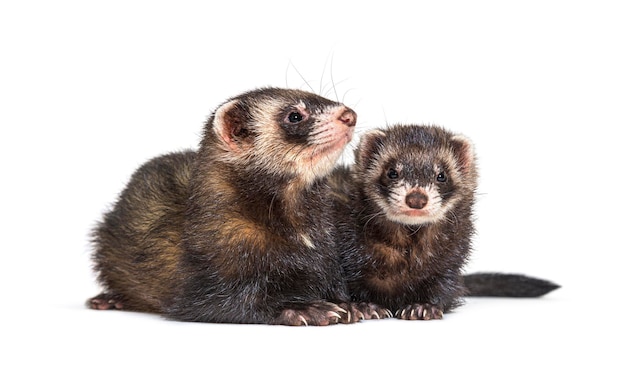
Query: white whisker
371, 217
332, 57
324, 129
301, 77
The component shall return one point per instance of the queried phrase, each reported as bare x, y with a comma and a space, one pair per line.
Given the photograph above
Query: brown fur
408, 259
241, 230
142, 234
408, 224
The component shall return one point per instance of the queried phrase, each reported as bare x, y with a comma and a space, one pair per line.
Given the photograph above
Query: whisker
334, 88
360, 214
332, 57
323, 140
302, 77
413, 232
456, 219
343, 98
322, 77
395, 193
324, 128
371, 218
385, 118
445, 193
438, 197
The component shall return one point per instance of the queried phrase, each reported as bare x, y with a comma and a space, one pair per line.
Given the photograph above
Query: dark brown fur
394, 252
239, 231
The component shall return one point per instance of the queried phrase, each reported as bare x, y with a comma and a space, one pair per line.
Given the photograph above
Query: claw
332, 313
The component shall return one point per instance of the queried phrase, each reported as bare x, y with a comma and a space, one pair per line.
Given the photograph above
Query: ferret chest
402, 259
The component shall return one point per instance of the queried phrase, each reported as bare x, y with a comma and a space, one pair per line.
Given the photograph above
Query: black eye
392, 174
295, 117
441, 177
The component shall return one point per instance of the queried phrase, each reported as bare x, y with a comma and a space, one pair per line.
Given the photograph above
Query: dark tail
506, 285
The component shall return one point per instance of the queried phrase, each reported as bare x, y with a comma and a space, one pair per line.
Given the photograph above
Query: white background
89, 91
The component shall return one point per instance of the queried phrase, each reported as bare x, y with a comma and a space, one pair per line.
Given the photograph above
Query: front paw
370, 310
424, 311
355, 312
316, 314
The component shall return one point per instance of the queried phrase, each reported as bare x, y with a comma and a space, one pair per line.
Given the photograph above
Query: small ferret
241, 230
406, 212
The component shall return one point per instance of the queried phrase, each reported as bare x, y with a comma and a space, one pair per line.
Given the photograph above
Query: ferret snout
347, 117
416, 200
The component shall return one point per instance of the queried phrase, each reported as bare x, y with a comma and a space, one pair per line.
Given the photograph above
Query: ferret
406, 212
241, 230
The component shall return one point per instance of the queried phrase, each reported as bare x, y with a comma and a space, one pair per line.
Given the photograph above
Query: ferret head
415, 174
283, 132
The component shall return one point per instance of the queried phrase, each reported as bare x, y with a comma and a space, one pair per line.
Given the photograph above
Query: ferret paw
105, 301
370, 310
317, 314
420, 312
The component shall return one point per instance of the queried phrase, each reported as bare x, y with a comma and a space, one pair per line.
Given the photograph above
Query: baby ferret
239, 231
407, 211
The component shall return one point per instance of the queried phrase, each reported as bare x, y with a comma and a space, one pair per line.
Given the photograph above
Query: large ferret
406, 207
241, 230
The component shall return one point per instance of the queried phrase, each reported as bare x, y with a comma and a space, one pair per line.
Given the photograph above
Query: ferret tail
506, 285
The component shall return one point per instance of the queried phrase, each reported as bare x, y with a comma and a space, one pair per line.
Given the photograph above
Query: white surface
88, 92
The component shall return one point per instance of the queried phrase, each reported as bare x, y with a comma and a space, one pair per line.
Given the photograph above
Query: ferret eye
295, 117
392, 174
441, 177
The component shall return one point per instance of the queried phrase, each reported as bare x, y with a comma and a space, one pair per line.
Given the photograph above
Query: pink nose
416, 200
347, 117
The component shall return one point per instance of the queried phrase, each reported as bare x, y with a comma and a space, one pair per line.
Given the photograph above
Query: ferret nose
347, 117
416, 200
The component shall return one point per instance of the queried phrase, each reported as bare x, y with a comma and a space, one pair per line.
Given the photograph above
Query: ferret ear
369, 145
464, 152
230, 124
